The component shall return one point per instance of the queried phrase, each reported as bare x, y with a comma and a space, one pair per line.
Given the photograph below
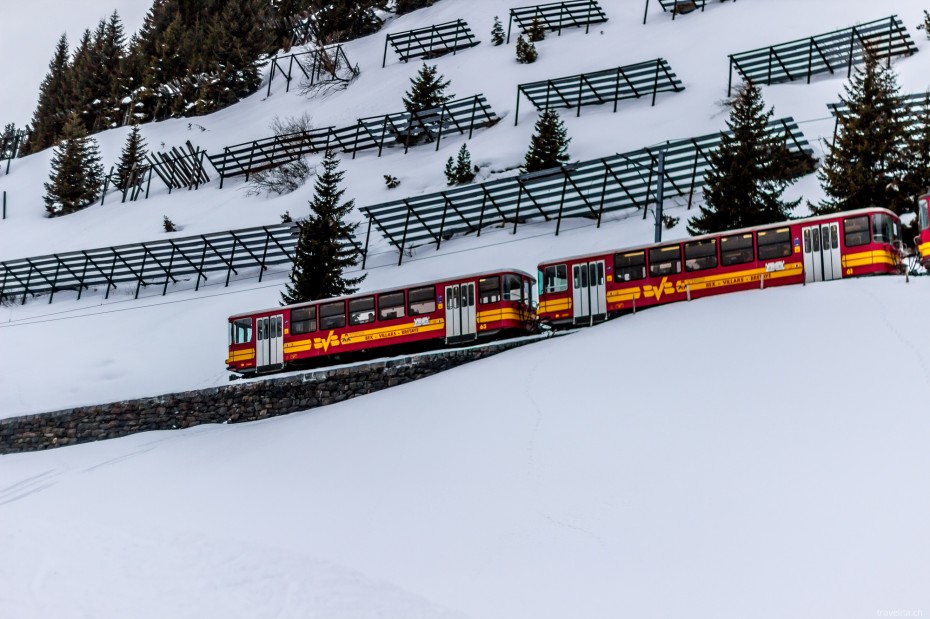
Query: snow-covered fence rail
823, 53
400, 129
154, 263
677, 7
586, 189
431, 41
10, 142
557, 15
179, 169
314, 64
628, 82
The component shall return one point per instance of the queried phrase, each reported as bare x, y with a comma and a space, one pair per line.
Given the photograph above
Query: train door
269, 341
461, 323
589, 292
822, 259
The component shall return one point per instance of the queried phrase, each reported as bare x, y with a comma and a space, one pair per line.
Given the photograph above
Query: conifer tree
54, 105
497, 32
324, 249
865, 164
132, 160
460, 171
916, 180
549, 144
427, 90
76, 175
526, 51
536, 32
749, 172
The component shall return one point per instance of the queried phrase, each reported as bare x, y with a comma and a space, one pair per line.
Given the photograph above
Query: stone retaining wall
235, 403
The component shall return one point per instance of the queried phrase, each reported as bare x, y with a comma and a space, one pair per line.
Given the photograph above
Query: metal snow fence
147, 264
431, 41
677, 7
558, 15
314, 64
629, 82
403, 128
586, 189
179, 169
9, 147
823, 53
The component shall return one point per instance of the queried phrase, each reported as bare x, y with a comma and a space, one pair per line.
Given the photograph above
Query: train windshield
883, 229
240, 331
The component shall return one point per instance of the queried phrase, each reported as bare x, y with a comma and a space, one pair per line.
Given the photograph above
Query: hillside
762, 453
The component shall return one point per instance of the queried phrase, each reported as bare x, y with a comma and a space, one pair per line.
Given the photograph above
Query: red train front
585, 289
923, 222
434, 313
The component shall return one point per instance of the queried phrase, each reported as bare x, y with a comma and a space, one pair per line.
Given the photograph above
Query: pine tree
549, 144
497, 32
916, 180
536, 32
926, 25
324, 249
77, 174
865, 164
460, 171
132, 161
427, 90
51, 113
749, 172
526, 51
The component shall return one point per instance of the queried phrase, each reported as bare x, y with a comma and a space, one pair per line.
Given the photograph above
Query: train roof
369, 293
763, 227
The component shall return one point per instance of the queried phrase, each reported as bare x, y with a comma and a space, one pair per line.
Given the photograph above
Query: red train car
429, 314
590, 288
923, 238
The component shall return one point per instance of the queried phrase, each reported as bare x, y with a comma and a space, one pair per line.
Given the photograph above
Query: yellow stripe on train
868, 258
503, 314
924, 249
330, 340
241, 355
555, 305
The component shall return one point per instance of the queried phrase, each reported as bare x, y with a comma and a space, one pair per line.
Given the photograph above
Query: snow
758, 454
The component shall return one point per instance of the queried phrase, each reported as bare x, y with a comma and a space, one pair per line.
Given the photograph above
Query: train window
736, 249
882, 230
303, 320
631, 266
422, 301
701, 255
555, 278
856, 231
774, 243
526, 291
489, 290
333, 315
512, 287
664, 261
240, 331
391, 305
924, 213
361, 311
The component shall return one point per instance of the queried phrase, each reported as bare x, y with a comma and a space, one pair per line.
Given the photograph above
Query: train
923, 226
420, 316
569, 292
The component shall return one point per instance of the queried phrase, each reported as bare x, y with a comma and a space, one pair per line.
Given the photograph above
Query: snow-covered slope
760, 454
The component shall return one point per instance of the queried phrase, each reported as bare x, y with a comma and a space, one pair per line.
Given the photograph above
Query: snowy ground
762, 454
